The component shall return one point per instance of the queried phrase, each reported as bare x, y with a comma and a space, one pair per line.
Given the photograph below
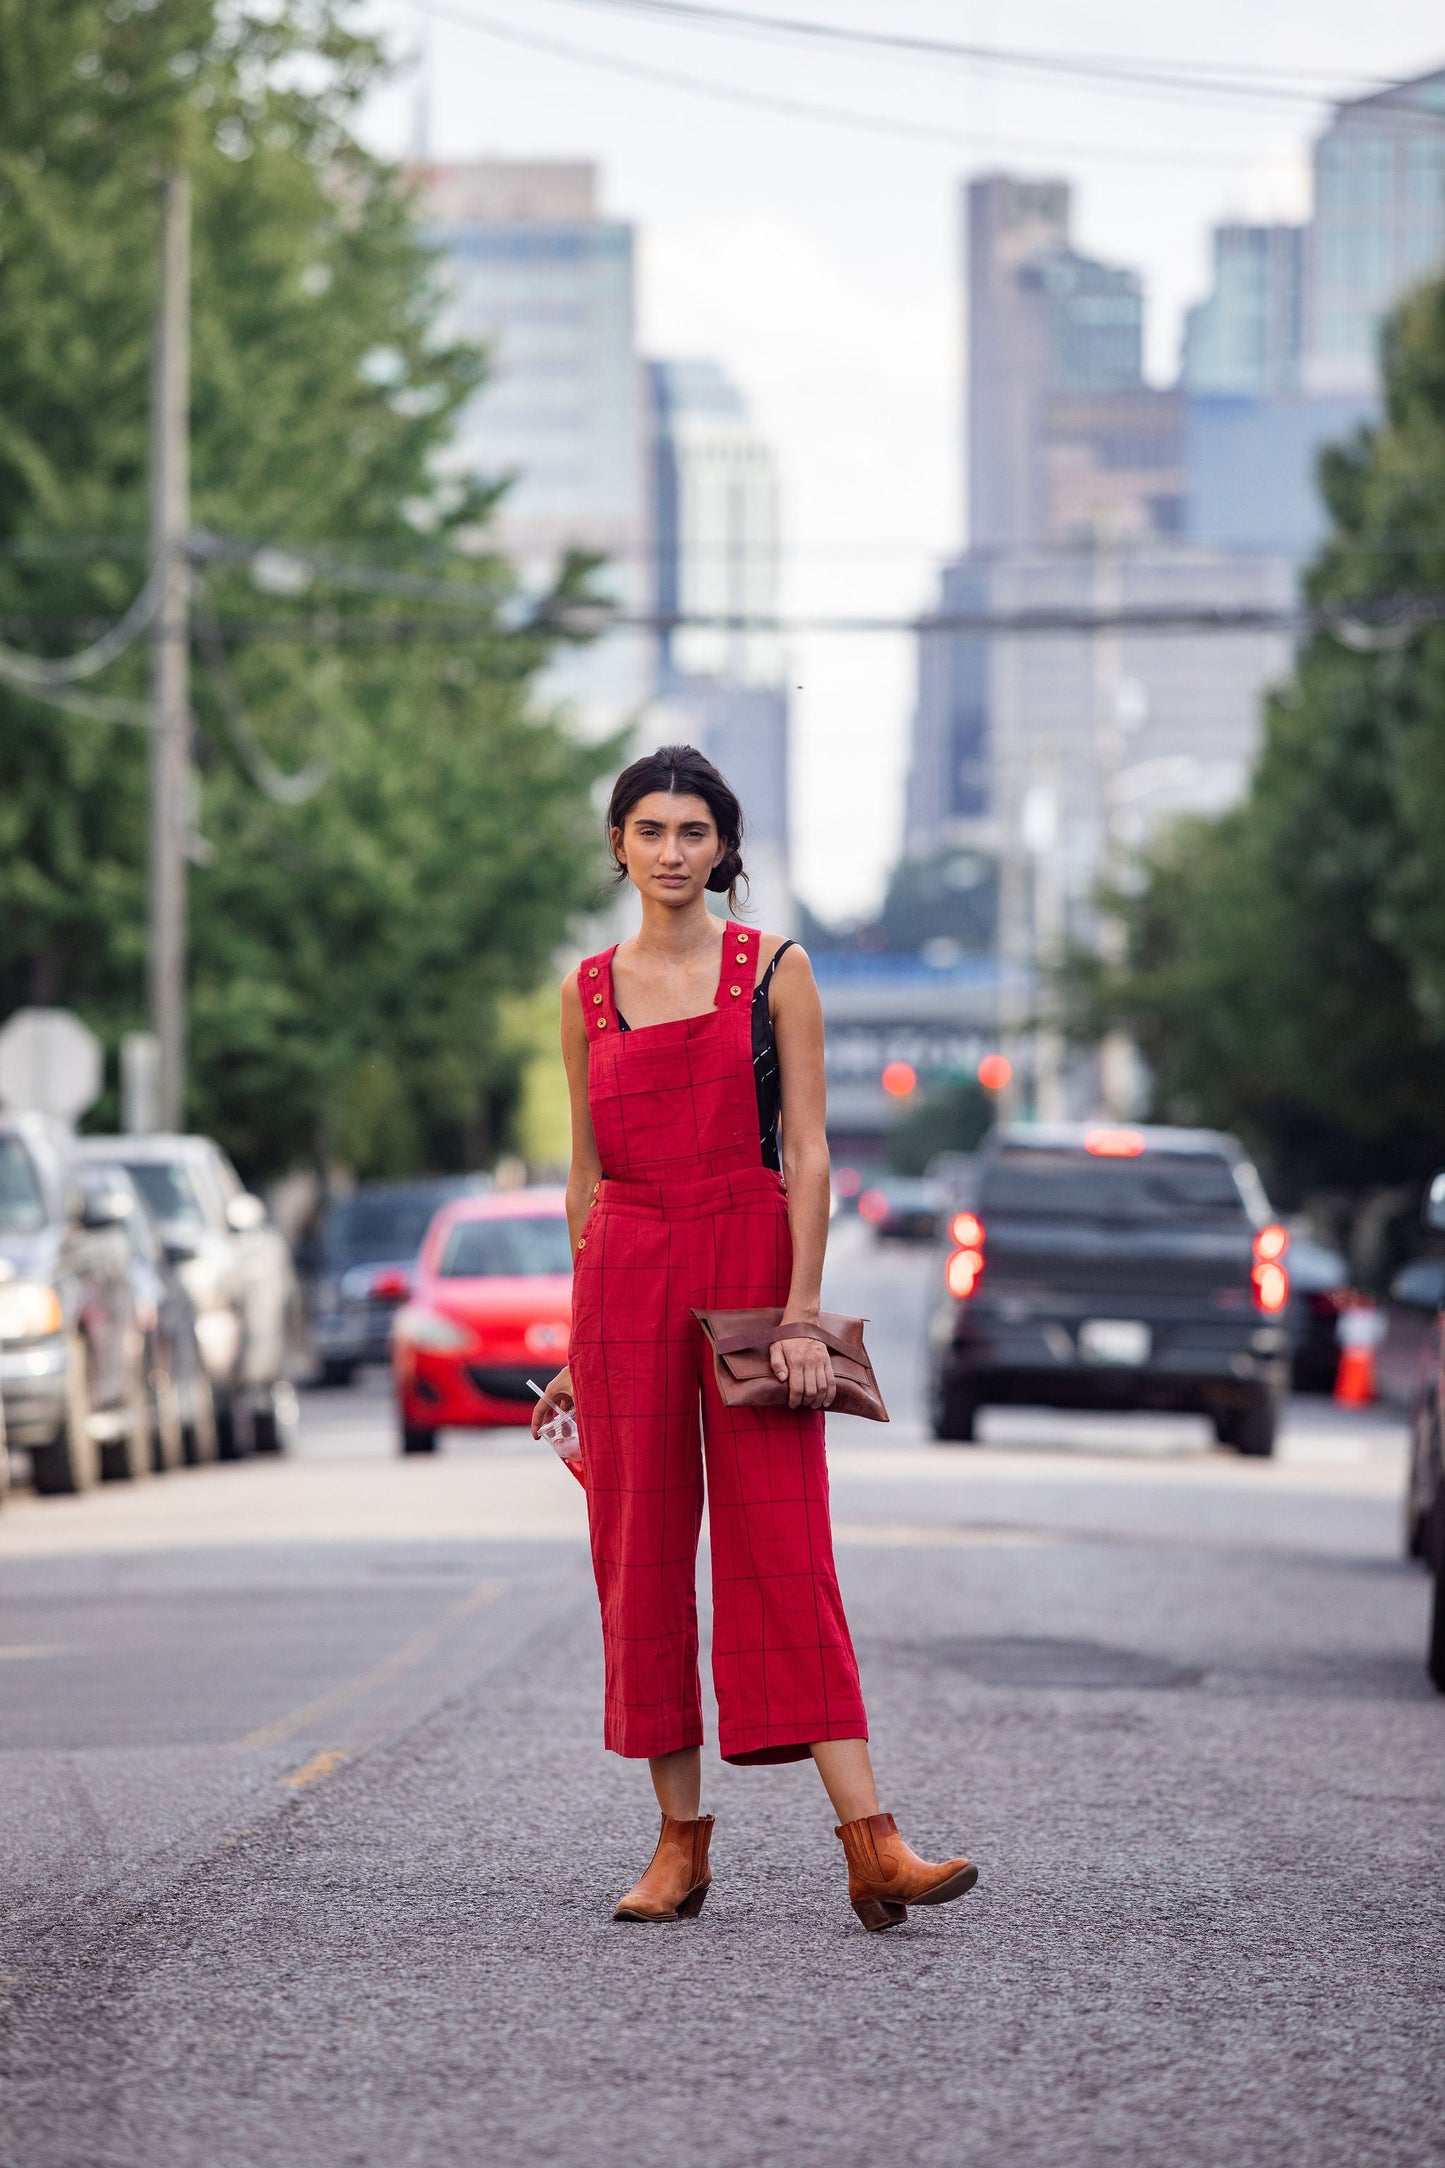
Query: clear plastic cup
561, 1433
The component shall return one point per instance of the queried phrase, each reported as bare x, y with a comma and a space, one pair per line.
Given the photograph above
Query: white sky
819, 263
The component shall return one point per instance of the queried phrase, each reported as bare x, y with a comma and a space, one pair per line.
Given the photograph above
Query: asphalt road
308, 1845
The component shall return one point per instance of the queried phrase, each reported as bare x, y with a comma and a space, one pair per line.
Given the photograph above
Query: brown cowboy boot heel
885, 1877
678, 1876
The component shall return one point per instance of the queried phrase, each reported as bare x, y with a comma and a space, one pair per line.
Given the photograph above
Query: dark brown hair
684, 772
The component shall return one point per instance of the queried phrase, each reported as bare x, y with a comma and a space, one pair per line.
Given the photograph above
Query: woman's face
669, 844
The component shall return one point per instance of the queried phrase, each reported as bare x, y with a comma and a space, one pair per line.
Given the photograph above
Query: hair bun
727, 872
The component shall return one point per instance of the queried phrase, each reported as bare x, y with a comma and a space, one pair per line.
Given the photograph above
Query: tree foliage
953, 1116
1283, 969
348, 954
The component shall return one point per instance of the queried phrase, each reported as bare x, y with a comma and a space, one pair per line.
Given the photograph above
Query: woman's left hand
806, 1368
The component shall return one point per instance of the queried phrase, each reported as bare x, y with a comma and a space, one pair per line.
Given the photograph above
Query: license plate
1114, 1340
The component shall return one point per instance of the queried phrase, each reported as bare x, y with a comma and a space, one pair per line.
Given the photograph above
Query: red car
491, 1308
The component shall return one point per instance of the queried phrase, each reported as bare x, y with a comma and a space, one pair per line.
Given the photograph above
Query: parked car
1320, 1291
1110, 1267
491, 1307
1425, 1494
365, 1260
1405, 1357
72, 1376
237, 1269
178, 1390
902, 1207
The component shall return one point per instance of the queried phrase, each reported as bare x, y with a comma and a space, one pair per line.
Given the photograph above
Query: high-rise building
1065, 440
1244, 338
714, 525
1379, 227
1119, 728
722, 686
546, 284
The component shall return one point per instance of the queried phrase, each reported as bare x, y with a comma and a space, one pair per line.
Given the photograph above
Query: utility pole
170, 739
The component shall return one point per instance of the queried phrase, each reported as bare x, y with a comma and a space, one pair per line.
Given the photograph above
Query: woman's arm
797, 1017
586, 1167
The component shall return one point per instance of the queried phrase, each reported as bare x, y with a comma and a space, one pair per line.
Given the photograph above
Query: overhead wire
33, 673
1188, 78
1154, 79
855, 119
273, 782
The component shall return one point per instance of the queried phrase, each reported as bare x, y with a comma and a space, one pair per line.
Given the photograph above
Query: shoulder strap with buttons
739, 967
594, 980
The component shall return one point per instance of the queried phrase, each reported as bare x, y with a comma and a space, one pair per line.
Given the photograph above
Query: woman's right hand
560, 1390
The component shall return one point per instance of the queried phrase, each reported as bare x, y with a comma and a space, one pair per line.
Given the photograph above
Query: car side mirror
101, 1208
1420, 1285
244, 1214
1434, 1212
180, 1246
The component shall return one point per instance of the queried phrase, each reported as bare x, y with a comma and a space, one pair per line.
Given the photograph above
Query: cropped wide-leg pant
651, 1418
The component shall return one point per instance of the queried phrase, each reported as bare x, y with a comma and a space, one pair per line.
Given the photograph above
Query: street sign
50, 1063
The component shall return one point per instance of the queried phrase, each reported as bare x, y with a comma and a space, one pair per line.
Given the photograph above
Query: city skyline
818, 268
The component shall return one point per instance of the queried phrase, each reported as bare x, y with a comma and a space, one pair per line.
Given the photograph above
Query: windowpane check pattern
688, 1217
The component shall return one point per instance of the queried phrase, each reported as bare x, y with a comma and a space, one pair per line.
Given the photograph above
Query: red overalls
687, 1217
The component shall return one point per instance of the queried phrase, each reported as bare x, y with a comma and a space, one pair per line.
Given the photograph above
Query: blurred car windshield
494, 1249
378, 1230
22, 1201
168, 1189
1150, 1187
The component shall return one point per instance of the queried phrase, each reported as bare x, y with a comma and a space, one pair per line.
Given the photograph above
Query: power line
1189, 78
856, 120
31, 673
1385, 618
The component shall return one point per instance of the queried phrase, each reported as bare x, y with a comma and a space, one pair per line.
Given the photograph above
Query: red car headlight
428, 1329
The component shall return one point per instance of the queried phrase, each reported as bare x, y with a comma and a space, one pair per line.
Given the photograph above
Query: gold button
740, 958
592, 972
601, 1023
735, 989
597, 997
742, 937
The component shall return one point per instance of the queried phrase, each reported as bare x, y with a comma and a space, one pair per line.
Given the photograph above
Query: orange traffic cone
1360, 1329
1355, 1377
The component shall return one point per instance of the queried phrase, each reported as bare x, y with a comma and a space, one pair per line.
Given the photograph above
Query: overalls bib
687, 1217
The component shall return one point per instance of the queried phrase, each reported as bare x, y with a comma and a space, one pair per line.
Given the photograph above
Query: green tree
954, 1116
348, 953
1284, 968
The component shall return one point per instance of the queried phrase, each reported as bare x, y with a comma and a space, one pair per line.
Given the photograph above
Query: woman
684, 1048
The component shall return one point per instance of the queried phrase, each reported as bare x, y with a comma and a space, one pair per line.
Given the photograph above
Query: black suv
1111, 1267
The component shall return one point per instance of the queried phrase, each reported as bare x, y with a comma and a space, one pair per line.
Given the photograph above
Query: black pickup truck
1103, 1266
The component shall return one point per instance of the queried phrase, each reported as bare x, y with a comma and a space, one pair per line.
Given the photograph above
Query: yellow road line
401, 1660
319, 1766
20, 1652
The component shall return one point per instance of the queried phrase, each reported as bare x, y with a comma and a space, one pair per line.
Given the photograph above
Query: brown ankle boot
885, 1877
677, 1878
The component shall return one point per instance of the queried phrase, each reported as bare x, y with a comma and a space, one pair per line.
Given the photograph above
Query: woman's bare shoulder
794, 964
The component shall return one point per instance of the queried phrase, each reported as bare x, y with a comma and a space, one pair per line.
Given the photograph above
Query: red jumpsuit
687, 1217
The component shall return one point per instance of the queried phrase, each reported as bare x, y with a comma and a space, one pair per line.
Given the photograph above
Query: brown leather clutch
742, 1342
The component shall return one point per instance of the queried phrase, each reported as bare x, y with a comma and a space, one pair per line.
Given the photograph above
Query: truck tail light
1268, 1277
964, 1269
1114, 1143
